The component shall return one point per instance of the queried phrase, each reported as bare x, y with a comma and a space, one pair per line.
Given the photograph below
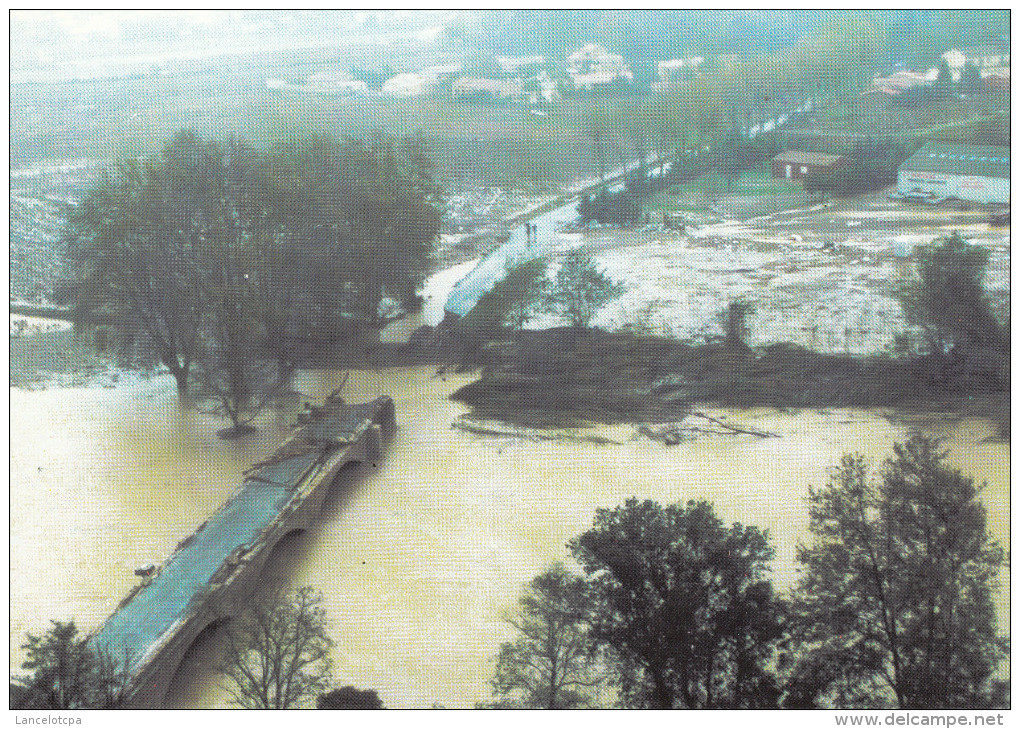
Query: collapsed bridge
216, 569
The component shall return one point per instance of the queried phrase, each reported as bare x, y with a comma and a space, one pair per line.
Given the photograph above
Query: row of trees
578, 290
224, 263
674, 609
737, 92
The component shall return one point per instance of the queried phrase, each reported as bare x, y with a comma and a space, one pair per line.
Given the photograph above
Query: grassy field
753, 193
489, 143
974, 119
39, 359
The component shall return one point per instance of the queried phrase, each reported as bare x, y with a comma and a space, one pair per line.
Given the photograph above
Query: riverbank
565, 377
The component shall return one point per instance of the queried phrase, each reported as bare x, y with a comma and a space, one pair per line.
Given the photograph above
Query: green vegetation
66, 673
507, 304
897, 589
684, 603
556, 377
581, 288
490, 145
61, 353
969, 348
753, 192
676, 609
227, 263
609, 208
840, 126
947, 299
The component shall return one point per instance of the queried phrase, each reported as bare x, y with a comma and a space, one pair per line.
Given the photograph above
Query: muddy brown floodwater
417, 556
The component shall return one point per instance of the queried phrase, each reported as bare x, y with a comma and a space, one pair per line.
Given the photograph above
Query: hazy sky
50, 39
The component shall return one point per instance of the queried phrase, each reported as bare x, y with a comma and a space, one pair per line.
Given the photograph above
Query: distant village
936, 172
592, 68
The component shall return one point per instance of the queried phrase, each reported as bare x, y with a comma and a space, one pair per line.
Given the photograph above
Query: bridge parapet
215, 570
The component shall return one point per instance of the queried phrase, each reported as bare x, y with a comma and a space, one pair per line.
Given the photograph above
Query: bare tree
278, 652
553, 663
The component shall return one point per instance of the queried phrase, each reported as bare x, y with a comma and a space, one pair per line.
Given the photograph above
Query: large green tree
391, 207
239, 261
895, 602
685, 603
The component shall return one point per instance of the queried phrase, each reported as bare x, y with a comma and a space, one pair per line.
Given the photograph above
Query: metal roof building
975, 173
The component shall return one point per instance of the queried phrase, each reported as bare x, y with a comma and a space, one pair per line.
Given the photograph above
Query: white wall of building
975, 189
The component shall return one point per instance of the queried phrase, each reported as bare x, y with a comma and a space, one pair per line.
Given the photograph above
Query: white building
983, 57
678, 70
593, 65
978, 174
404, 84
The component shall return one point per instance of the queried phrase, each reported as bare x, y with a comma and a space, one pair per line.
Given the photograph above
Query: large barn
978, 174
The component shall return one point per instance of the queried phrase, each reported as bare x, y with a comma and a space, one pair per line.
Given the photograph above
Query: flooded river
418, 556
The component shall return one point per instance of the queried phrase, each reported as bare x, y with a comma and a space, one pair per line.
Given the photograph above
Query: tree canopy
685, 603
236, 260
580, 289
896, 600
65, 672
947, 297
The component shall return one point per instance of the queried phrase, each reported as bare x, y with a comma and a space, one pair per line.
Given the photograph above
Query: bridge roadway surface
141, 627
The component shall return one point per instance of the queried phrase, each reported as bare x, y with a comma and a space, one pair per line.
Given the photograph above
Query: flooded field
416, 557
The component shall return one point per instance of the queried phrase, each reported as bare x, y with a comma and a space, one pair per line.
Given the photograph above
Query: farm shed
794, 165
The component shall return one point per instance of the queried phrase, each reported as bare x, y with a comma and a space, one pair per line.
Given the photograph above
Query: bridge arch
201, 658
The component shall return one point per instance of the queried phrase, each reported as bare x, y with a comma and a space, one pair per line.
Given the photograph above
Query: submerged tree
277, 654
685, 604
231, 263
136, 239
896, 598
552, 664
